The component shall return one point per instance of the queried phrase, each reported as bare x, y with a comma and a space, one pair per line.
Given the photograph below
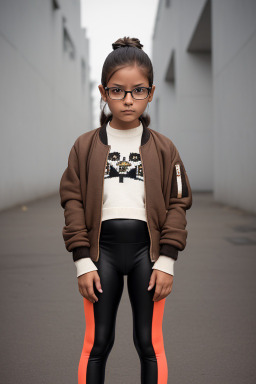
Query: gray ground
209, 319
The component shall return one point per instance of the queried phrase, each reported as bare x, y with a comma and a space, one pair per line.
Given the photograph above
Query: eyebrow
119, 85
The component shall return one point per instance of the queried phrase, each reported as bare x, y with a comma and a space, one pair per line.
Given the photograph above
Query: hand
163, 281
85, 284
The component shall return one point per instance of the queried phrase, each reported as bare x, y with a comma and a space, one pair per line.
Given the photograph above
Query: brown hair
126, 51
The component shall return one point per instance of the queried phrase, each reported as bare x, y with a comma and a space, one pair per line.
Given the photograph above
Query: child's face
127, 78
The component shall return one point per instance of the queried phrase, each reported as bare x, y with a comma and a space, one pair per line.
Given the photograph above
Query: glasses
138, 93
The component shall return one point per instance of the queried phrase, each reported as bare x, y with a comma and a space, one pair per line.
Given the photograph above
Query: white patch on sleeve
179, 183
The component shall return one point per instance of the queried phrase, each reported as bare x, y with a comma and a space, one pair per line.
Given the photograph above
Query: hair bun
127, 42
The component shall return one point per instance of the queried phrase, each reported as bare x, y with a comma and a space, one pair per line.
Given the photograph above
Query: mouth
128, 111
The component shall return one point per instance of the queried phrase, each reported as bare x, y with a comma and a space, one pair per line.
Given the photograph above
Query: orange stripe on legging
88, 340
158, 341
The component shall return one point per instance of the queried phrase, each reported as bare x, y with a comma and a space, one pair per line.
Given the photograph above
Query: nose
128, 98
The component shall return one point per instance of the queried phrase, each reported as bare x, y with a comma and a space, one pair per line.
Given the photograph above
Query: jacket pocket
179, 187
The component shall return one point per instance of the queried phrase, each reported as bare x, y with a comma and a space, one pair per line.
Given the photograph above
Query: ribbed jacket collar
144, 137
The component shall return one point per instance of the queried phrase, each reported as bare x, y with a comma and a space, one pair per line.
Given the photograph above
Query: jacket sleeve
74, 232
173, 232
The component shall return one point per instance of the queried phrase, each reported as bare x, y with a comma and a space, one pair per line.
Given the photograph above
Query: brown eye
115, 90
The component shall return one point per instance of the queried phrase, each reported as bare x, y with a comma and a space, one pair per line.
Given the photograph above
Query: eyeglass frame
125, 92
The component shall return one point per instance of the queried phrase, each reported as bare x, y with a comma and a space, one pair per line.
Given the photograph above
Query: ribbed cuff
81, 253
84, 265
165, 264
169, 250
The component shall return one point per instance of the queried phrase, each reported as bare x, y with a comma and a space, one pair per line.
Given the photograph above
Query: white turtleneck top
120, 202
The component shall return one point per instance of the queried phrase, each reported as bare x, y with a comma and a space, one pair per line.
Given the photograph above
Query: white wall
43, 104
234, 46
185, 106
210, 110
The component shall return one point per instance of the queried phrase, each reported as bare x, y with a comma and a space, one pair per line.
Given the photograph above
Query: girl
125, 193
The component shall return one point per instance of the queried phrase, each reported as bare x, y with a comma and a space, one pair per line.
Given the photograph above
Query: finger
165, 292
157, 292
152, 282
91, 293
82, 292
151, 285
98, 285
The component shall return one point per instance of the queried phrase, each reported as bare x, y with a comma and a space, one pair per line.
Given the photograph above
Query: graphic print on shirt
118, 166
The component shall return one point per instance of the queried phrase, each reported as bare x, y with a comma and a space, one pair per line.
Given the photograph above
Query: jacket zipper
102, 203
144, 178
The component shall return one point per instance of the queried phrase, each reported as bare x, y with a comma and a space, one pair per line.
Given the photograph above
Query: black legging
124, 250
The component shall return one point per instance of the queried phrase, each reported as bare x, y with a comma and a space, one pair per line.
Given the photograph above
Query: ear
103, 92
150, 98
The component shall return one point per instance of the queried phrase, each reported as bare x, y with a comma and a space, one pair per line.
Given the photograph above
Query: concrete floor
209, 321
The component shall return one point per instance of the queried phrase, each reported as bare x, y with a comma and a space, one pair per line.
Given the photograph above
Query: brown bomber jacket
167, 194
